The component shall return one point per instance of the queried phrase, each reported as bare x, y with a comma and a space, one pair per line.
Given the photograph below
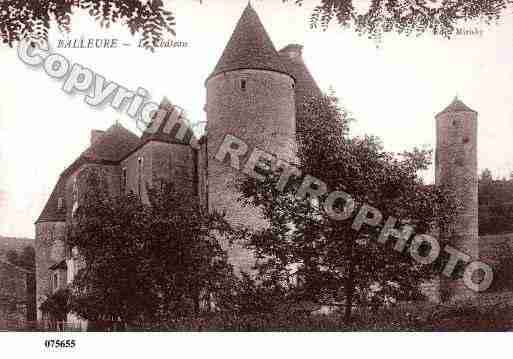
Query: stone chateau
253, 93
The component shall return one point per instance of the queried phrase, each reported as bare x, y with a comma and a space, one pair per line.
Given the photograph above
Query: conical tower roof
456, 106
292, 59
250, 47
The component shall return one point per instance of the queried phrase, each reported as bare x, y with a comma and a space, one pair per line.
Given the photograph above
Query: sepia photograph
339, 171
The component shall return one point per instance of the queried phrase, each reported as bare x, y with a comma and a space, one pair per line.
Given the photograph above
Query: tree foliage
26, 259
377, 17
31, 19
318, 258
495, 204
145, 262
57, 304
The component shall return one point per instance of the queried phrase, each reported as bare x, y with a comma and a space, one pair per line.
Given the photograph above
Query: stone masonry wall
49, 246
203, 174
175, 163
132, 168
161, 161
111, 175
263, 116
456, 167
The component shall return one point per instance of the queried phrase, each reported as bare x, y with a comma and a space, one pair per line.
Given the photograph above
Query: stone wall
110, 176
161, 161
202, 168
132, 171
175, 163
262, 115
456, 167
49, 245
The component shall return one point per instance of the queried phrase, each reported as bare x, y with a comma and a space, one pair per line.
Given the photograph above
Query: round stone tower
49, 245
456, 167
250, 96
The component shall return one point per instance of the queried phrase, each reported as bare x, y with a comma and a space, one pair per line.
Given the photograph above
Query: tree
495, 204
26, 259
189, 264
31, 19
373, 18
144, 262
486, 176
331, 261
57, 305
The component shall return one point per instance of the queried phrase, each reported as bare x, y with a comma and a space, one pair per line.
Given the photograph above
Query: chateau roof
292, 59
112, 147
51, 211
249, 47
171, 136
456, 106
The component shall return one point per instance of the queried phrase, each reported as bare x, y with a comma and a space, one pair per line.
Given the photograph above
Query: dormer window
243, 84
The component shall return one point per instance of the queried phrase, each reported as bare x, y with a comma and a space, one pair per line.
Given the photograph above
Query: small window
466, 140
59, 204
74, 209
455, 122
75, 188
243, 85
293, 85
140, 173
55, 283
124, 180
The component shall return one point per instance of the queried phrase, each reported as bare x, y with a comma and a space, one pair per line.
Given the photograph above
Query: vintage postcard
255, 166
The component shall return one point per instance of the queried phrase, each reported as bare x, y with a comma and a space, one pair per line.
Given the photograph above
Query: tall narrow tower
456, 167
250, 96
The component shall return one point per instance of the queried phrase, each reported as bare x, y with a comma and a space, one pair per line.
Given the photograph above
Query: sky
393, 91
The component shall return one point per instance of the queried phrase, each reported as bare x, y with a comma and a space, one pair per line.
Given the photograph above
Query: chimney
293, 51
96, 135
